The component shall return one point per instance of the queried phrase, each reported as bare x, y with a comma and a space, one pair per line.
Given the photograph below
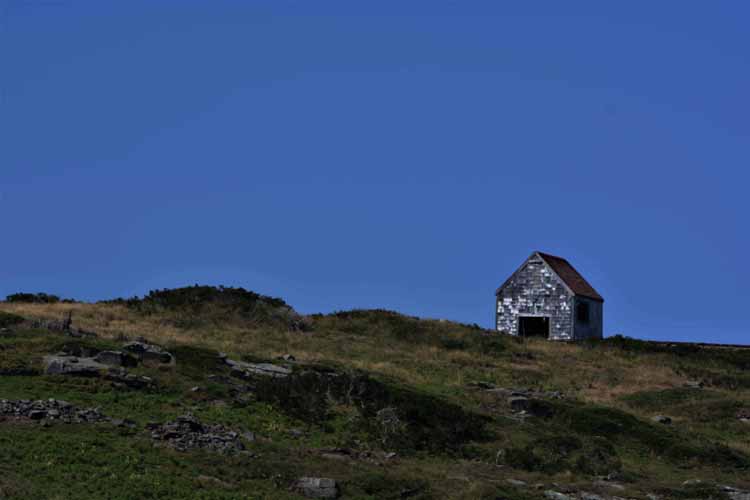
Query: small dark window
582, 312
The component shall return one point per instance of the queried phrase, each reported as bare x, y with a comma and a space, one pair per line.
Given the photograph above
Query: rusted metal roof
570, 276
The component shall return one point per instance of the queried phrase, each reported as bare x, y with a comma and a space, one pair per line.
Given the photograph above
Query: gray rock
661, 419
187, 432
589, 496
735, 493
148, 352
609, 484
317, 487
694, 384
243, 369
71, 365
556, 495
516, 482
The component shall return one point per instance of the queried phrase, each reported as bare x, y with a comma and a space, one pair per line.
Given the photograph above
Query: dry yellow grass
599, 376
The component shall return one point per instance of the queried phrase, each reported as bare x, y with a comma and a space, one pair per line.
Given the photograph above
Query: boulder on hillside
71, 365
243, 369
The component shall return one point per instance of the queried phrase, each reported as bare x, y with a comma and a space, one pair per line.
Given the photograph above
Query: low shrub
10, 319
34, 298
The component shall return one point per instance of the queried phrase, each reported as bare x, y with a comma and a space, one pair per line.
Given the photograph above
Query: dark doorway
533, 326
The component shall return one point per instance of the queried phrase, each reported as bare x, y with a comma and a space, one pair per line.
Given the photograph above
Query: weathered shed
547, 297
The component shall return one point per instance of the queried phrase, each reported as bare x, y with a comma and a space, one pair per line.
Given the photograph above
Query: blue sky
404, 155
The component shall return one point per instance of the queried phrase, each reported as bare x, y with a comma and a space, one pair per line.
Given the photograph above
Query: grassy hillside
389, 406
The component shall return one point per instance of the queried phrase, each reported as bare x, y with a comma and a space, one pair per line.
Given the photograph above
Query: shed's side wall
594, 328
534, 290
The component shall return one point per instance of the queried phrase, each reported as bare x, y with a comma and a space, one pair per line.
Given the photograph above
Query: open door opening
533, 326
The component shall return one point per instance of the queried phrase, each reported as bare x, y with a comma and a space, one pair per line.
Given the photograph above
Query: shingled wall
534, 290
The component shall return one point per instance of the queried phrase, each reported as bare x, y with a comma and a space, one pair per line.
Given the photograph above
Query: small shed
547, 297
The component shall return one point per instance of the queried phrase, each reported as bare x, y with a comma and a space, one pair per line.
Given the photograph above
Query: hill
221, 393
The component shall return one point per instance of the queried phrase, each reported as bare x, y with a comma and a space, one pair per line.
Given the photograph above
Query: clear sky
392, 154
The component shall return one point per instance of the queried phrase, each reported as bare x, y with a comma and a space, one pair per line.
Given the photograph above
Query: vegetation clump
9, 319
409, 329
389, 415
198, 306
36, 298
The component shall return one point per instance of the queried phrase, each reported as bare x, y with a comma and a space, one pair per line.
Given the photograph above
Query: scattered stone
288, 357
187, 432
317, 487
37, 414
390, 455
123, 379
661, 419
148, 352
694, 384
49, 410
589, 496
195, 389
556, 495
516, 482
735, 493
247, 370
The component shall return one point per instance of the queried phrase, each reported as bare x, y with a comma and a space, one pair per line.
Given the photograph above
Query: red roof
570, 276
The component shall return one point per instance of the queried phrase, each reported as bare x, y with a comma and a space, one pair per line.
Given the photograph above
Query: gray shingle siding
536, 290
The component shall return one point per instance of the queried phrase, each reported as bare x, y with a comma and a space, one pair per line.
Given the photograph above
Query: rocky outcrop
317, 487
187, 432
73, 365
148, 352
245, 370
61, 364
